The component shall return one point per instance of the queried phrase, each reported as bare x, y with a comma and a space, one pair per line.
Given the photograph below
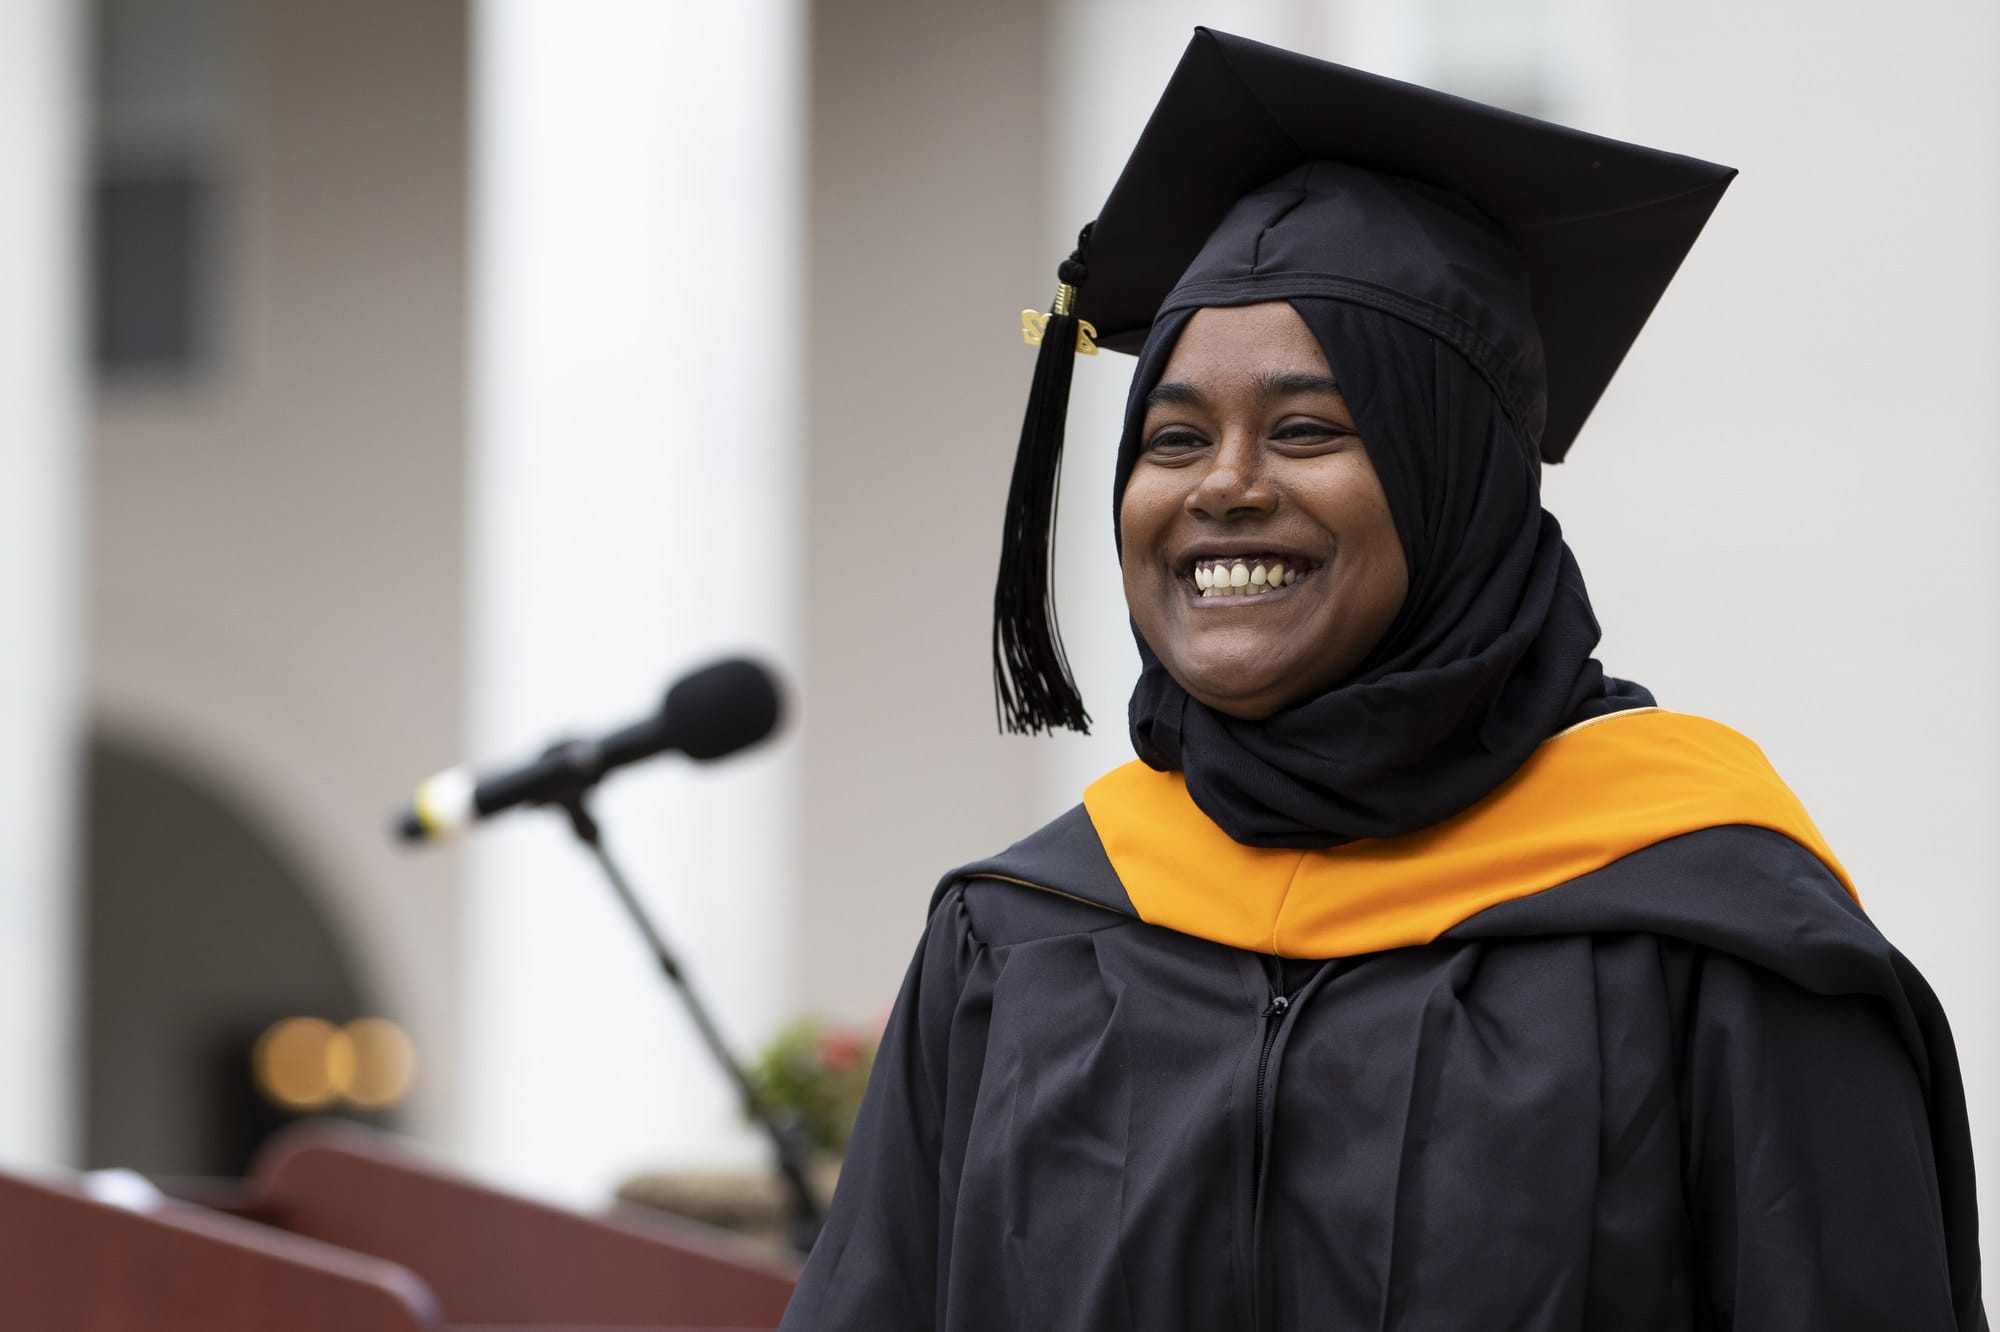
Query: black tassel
1032, 685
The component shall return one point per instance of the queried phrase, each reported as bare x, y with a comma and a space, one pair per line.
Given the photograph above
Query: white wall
636, 325
40, 582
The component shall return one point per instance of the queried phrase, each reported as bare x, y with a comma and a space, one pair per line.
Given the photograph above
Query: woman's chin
1250, 677
1250, 695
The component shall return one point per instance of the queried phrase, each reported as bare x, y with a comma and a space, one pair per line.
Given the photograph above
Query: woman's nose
1234, 486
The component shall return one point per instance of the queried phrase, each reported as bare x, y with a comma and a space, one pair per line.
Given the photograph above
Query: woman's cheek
1151, 498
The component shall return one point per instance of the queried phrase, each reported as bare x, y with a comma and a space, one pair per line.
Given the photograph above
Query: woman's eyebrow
1176, 394
1281, 384
1291, 382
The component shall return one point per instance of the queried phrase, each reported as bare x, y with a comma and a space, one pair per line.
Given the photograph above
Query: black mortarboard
1534, 250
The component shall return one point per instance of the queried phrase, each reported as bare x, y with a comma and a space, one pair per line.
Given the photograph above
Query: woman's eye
1311, 430
1172, 441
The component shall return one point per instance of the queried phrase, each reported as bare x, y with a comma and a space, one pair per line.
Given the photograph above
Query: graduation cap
1536, 251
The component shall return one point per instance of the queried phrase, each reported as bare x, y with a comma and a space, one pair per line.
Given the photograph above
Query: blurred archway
201, 930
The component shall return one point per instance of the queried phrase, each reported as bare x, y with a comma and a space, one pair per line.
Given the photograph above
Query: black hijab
1488, 657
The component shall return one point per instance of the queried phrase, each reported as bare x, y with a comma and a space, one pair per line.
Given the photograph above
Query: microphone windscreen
720, 709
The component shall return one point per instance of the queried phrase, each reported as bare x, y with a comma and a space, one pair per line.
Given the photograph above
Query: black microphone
708, 714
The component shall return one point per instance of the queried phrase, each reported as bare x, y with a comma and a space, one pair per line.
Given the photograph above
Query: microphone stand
787, 1135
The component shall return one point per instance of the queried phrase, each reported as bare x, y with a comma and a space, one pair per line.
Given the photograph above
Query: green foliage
817, 1072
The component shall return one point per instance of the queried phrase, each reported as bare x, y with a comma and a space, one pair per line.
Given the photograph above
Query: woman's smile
1246, 578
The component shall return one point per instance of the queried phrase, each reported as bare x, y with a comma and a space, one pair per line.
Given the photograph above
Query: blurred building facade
523, 355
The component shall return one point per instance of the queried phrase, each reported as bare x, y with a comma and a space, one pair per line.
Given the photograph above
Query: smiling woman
1250, 464
1417, 974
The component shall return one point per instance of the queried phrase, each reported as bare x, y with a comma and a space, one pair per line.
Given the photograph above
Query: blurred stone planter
751, 1203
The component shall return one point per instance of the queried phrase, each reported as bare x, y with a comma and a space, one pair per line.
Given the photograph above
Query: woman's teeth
1242, 578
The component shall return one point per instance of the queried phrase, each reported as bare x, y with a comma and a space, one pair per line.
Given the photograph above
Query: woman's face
1250, 469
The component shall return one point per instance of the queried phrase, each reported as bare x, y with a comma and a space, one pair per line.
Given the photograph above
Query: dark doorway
202, 930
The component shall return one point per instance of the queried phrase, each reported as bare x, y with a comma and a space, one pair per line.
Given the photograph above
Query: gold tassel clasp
1034, 323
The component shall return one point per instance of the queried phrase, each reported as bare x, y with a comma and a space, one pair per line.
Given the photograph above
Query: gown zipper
1277, 1005
1273, 1014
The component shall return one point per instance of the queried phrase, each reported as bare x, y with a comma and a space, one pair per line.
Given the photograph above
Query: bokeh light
307, 1063
384, 1063
291, 1066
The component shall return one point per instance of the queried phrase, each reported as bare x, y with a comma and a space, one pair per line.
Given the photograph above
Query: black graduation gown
1691, 1089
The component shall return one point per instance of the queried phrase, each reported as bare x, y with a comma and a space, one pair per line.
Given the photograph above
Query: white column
39, 574
636, 430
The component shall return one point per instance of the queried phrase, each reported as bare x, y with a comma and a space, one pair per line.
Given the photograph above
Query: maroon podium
340, 1228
